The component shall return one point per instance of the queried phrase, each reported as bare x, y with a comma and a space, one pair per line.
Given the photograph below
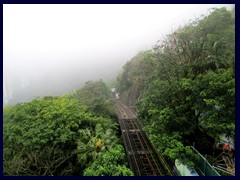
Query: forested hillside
184, 88
183, 91
68, 135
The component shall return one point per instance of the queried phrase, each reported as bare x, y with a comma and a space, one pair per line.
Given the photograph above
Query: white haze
54, 49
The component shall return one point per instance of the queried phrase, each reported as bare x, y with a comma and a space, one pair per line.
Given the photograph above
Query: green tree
111, 163
41, 137
189, 93
130, 83
93, 143
95, 95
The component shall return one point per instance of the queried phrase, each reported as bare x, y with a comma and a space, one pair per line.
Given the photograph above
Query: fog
54, 49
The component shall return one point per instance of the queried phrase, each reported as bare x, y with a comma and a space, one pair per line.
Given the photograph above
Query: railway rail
142, 156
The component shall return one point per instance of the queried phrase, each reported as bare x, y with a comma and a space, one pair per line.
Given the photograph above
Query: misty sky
53, 49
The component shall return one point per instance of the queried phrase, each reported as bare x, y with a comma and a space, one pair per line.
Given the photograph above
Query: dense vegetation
63, 136
95, 96
185, 86
183, 90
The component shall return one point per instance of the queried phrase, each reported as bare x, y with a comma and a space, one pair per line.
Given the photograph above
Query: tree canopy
183, 90
188, 85
56, 136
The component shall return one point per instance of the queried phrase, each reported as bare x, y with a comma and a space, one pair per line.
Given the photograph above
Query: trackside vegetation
184, 88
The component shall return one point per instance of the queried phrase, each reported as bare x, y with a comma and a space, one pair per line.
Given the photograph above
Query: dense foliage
187, 90
130, 83
112, 163
183, 89
58, 136
95, 96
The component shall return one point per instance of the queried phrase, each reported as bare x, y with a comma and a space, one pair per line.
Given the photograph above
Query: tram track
142, 156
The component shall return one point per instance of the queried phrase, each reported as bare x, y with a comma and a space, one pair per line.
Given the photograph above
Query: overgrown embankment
68, 135
184, 88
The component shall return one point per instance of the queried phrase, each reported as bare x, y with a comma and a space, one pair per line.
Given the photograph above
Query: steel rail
136, 153
143, 157
130, 146
163, 163
144, 150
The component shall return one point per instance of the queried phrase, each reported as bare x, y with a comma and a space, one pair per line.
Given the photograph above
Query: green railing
203, 167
